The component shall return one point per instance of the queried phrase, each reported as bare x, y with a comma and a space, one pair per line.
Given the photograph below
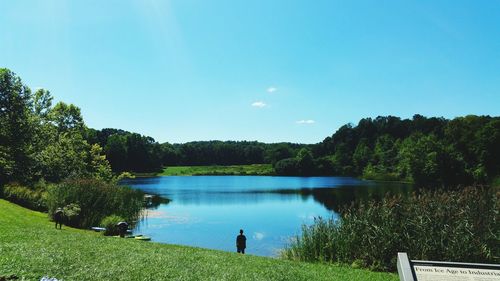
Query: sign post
416, 270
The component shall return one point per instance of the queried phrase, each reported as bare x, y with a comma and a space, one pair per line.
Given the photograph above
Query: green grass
31, 248
240, 170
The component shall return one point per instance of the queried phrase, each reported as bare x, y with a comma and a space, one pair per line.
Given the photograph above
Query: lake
209, 211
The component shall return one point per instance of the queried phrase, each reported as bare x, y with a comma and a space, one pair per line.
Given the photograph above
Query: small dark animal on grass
58, 217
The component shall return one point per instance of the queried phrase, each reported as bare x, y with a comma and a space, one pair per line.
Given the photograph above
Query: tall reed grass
461, 225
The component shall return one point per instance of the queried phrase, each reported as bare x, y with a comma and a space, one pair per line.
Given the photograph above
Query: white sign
443, 273
415, 270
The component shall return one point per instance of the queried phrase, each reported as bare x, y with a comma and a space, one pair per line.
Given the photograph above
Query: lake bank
31, 248
245, 170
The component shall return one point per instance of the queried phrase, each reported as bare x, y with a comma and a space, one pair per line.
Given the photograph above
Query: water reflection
332, 192
337, 198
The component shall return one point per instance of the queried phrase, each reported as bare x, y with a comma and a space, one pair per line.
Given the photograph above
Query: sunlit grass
31, 248
253, 169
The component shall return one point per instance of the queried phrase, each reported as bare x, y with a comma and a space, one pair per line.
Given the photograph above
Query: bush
72, 213
30, 197
458, 225
379, 174
110, 223
97, 200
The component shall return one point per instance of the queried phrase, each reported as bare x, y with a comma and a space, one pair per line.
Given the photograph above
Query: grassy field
31, 248
240, 170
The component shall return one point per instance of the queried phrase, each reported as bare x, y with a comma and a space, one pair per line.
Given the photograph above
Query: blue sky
256, 70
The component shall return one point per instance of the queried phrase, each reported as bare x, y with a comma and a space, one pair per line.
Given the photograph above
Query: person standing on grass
241, 242
58, 217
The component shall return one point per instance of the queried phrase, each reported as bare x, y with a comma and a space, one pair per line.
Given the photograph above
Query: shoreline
240, 170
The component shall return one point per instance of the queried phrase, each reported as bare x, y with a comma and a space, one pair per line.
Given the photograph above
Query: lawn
31, 248
240, 170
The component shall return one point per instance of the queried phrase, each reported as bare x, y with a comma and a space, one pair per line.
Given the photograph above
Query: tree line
428, 151
132, 152
39, 140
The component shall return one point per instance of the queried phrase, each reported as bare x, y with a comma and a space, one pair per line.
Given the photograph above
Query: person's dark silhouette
241, 242
58, 217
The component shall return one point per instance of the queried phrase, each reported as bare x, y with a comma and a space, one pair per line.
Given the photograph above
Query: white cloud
272, 89
258, 235
306, 121
259, 104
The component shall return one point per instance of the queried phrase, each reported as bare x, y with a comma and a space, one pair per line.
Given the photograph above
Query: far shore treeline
426, 151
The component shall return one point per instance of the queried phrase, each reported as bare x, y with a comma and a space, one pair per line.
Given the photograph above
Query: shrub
379, 174
97, 200
72, 213
461, 225
29, 197
110, 223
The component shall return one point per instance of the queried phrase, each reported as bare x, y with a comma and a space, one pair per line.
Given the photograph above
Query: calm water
208, 211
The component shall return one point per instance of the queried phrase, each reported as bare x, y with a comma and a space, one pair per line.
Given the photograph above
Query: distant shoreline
213, 170
233, 170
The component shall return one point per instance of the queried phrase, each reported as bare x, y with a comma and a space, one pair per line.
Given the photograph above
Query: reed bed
458, 225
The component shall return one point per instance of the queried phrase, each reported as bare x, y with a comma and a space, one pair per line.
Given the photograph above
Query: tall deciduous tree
41, 141
16, 129
67, 117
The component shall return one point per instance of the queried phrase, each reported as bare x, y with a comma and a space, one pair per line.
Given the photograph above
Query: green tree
362, 156
343, 159
116, 152
16, 133
430, 163
287, 167
488, 150
99, 167
67, 117
280, 152
65, 157
170, 155
385, 152
305, 164
42, 103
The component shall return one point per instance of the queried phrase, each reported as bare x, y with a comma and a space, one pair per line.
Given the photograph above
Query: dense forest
427, 151
132, 152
